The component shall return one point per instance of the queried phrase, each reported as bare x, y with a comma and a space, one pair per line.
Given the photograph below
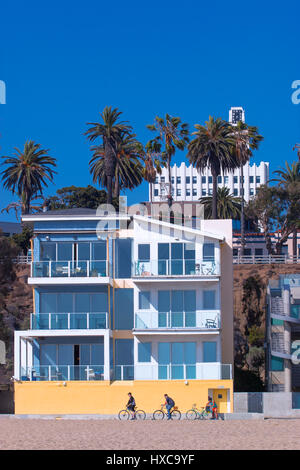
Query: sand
115, 435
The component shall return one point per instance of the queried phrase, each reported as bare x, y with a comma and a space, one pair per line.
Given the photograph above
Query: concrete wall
274, 404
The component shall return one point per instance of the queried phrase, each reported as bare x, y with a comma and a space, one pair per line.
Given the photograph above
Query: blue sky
64, 61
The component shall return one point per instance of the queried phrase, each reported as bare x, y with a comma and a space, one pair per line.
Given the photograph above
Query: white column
106, 356
17, 355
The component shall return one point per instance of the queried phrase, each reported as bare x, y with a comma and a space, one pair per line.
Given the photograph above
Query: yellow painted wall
109, 398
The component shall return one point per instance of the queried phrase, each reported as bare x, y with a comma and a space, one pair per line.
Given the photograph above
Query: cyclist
169, 403
131, 406
212, 407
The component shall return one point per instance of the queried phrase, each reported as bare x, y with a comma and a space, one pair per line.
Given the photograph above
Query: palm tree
172, 134
111, 131
212, 147
128, 168
228, 206
297, 148
27, 172
153, 163
289, 178
246, 139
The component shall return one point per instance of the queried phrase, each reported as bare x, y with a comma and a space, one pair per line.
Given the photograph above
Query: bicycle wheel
191, 414
123, 415
158, 414
140, 415
175, 414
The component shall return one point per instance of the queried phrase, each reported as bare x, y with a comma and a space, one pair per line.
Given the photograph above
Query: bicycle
160, 414
124, 415
195, 413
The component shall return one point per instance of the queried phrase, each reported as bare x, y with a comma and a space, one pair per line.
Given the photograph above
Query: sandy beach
115, 435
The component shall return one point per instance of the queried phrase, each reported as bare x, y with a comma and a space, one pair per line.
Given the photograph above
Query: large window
144, 300
208, 252
123, 249
70, 302
73, 251
177, 360
209, 300
124, 309
144, 252
144, 352
176, 258
177, 308
209, 351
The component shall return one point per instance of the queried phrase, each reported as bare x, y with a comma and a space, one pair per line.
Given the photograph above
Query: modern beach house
125, 304
283, 335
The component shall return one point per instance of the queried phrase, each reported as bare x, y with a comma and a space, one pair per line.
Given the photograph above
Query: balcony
160, 269
70, 272
199, 371
67, 372
69, 321
185, 321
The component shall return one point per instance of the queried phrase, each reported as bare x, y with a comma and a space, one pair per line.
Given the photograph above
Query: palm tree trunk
295, 244
214, 196
242, 213
110, 166
117, 184
170, 181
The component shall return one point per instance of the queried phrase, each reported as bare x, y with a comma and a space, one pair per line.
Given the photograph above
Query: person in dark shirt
131, 405
169, 403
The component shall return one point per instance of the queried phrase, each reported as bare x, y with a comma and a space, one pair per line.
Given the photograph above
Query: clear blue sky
64, 61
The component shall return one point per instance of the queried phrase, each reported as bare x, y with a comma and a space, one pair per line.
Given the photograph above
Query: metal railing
199, 371
266, 259
66, 372
161, 320
89, 268
175, 267
69, 321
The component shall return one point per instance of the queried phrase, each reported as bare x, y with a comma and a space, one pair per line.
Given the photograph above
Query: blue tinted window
48, 354
48, 251
99, 250
65, 303
124, 351
190, 353
209, 301
163, 251
123, 309
208, 251
144, 252
144, 300
163, 300
144, 352
65, 354
123, 258
164, 353
48, 303
209, 351
64, 251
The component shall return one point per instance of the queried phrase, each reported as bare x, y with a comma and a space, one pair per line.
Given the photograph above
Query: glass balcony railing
70, 269
162, 320
69, 321
199, 371
64, 372
160, 268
